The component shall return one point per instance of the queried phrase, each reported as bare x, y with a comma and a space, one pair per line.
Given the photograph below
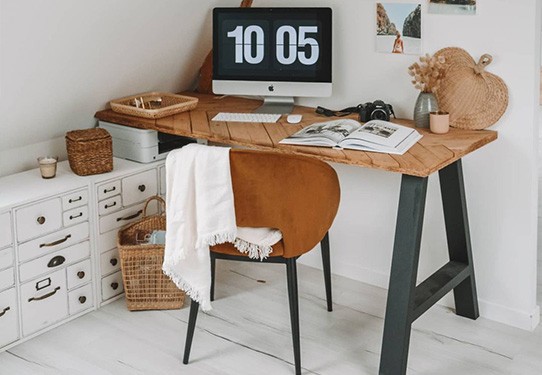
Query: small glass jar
439, 122
48, 166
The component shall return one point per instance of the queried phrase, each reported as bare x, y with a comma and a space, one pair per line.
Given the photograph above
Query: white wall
61, 60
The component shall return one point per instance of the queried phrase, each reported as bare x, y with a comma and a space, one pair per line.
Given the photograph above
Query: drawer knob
115, 286
41, 220
56, 261
81, 274
141, 188
113, 261
4, 311
82, 300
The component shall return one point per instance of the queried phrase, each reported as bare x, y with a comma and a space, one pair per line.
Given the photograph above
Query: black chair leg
291, 270
213, 268
194, 307
324, 246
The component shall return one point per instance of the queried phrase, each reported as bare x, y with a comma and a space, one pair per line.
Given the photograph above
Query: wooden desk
433, 153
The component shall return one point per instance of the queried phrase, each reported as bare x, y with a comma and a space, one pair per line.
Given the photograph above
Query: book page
333, 131
381, 133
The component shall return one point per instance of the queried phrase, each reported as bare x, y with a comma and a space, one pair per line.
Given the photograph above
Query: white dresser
58, 256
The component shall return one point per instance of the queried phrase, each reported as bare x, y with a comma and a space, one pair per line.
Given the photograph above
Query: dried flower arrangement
428, 73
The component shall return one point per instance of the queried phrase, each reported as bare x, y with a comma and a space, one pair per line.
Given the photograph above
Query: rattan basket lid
474, 97
83, 135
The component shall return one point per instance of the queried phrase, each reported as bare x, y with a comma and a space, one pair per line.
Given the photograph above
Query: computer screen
272, 51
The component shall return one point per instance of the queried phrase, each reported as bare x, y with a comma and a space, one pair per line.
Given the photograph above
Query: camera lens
379, 114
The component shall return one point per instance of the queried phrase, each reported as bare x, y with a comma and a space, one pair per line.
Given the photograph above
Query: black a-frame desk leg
406, 301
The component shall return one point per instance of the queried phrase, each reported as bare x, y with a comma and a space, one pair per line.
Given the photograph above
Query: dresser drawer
9, 321
77, 215
109, 262
80, 299
5, 230
38, 219
44, 302
52, 242
107, 240
108, 189
139, 187
51, 262
123, 217
77, 199
79, 274
6, 258
109, 205
7, 279
112, 286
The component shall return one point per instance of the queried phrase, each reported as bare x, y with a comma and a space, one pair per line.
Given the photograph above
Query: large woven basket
154, 104
146, 286
90, 151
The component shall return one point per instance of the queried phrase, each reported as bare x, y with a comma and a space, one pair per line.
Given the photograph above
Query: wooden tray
155, 104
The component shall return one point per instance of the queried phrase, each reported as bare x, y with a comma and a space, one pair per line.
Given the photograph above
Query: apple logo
271, 88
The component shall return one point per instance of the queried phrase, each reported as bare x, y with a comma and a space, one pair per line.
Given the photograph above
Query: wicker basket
146, 286
155, 104
90, 151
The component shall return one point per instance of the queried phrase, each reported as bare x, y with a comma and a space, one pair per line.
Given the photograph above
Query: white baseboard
488, 310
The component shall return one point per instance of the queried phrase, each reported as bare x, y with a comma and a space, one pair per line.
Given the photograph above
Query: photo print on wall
452, 7
399, 28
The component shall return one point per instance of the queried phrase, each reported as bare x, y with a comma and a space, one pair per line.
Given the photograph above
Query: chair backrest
297, 194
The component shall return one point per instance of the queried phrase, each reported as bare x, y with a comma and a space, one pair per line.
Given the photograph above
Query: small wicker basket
90, 151
146, 286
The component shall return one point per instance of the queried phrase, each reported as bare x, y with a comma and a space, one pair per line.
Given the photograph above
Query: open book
375, 135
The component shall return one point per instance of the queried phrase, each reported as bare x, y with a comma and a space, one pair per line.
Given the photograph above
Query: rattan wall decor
475, 98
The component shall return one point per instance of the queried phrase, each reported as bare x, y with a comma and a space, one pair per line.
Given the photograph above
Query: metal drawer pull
41, 220
113, 261
141, 188
57, 242
56, 261
50, 294
82, 300
131, 216
4, 311
110, 205
81, 274
75, 200
114, 286
76, 216
110, 190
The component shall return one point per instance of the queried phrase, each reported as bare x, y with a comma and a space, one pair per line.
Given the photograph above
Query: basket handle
484, 61
157, 198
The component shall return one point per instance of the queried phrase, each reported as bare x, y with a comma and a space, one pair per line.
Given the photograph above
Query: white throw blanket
200, 213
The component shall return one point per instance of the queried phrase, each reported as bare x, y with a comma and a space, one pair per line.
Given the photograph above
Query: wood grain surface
432, 153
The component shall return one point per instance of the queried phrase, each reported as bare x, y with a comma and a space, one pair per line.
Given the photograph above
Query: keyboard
246, 117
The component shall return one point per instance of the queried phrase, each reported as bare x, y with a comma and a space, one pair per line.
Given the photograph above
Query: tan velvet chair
296, 194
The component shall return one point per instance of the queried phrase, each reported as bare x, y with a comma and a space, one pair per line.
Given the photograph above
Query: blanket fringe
186, 287
254, 251
216, 239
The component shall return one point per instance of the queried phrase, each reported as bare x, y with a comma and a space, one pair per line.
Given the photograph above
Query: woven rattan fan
474, 97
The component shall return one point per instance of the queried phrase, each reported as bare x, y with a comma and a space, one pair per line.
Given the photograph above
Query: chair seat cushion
228, 248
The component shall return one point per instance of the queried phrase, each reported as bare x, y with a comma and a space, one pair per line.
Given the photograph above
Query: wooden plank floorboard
248, 332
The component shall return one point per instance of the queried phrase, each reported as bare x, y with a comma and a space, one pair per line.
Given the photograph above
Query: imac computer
277, 53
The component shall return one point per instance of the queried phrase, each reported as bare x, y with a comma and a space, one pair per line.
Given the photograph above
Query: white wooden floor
248, 332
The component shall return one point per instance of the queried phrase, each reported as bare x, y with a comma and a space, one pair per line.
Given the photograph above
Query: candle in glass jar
48, 166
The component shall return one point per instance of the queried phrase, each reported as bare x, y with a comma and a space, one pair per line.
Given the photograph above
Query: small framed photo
399, 28
465, 7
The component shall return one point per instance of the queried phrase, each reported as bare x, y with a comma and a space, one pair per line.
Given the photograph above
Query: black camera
377, 110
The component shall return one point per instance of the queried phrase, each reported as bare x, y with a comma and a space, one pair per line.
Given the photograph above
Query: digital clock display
280, 44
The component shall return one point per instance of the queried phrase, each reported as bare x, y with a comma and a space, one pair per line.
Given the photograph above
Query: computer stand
276, 104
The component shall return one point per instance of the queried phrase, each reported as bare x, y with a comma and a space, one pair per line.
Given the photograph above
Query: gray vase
426, 102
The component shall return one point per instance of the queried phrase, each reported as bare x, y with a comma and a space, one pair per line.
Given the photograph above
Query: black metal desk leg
457, 233
404, 269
